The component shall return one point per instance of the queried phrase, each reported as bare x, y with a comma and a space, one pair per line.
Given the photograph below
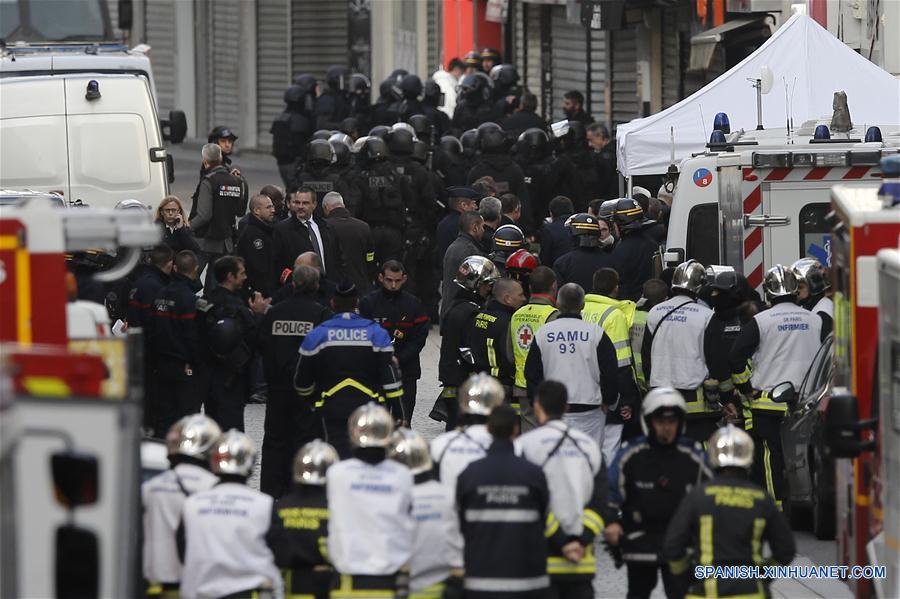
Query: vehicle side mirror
77, 563
843, 429
784, 393
126, 14
175, 127
170, 168
75, 478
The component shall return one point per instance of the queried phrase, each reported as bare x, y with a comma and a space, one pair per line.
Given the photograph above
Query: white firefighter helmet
480, 394
370, 425
410, 448
193, 436
780, 282
234, 453
312, 461
730, 446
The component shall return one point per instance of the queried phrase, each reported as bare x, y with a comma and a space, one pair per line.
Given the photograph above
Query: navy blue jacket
555, 240
140, 299
174, 325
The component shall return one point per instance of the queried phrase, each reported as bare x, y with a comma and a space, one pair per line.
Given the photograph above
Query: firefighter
222, 538
503, 502
506, 240
403, 317
588, 256
489, 337
635, 250
725, 521
289, 423
475, 277
781, 343
815, 290
524, 325
681, 349
299, 528
520, 265
649, 477
615, 316
455, 449
576, 476
435, 570
189, 443
370, 499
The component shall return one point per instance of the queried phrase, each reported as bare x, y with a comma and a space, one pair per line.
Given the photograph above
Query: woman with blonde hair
173, 222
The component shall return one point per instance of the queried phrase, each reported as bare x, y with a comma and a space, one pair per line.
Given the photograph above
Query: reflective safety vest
522, 328
609, 314
636, 335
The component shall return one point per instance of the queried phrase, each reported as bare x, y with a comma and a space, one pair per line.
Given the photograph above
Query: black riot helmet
379, 131
422, 126
338, 78
322, 134
505, 76
584, 229
628, 214
398, 74
341, 143
534, 143
411, 86
469, 141
307, 82
491, 138
420, 152
508, 239
400, 141
320, 152
451, 146
432, 94
293, 94
225, 336
374, 149
359, 84
387, 91
476, 88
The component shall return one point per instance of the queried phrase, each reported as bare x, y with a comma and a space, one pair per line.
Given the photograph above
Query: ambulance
762, 199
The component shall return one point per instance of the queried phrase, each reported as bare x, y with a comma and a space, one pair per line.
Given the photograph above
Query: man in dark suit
555, 239
303, 232
256, 248
355, 239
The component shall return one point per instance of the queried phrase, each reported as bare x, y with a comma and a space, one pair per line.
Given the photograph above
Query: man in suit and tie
303, 232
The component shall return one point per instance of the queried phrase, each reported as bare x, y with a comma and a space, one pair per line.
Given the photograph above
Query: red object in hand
285, 275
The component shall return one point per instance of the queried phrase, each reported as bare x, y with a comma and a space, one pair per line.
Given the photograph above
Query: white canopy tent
801, 49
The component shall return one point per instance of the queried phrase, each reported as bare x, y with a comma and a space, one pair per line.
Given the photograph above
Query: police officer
474, 101
385, 197
506, 240
230, 515
815, 287
682, 349
225, 138
288, 423
189, 443
255, 246
577, 479
725, 521
432, 101
490, 338
556, 240
319, 173
360, 105
291, 129
411, 88
461, 199
454, 169
475, 278
370, 500
471, 153
533, 155
300, 525
383, 110
582, 356
346, 362
588, 256
347, 170
403, 317
505, 550
635, 249
332, 105
584, 180
524, 325
781, 343
496, 162
647, 480
174, 345
435, 569
506, 89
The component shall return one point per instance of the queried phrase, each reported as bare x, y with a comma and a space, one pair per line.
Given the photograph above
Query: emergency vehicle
71, 412
864, 225
756, 200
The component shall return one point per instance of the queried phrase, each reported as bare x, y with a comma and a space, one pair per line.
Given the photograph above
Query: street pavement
259, 169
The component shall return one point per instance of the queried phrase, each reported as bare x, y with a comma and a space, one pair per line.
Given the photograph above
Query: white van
93, 137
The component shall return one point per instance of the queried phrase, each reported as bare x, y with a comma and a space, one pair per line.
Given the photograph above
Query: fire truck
865, 224
71, 411
757, 200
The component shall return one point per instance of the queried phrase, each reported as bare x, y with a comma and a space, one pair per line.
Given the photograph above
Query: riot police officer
470, 150
189, 443
506, 89
726, 520
432, 100
300, 524
383, 110
232, 515
411, 88
360, 109
636, 247
436, 565
781, 343
332, 105
505, 241
588, 256
536, 161
291, 129
338, 378
474, 104
320, 172
647, 480
454, 169
496, 163
585, 181
288, 423
370, 500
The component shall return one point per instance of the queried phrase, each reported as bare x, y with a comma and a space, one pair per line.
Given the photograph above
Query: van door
804, 204
33, 135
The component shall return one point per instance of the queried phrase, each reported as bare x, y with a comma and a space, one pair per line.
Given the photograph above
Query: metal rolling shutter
532, 50
319, 40
160, 35
625, 101
435, 35
225, 36
517, 17
671, 57
273, 65
599, 80
569, 60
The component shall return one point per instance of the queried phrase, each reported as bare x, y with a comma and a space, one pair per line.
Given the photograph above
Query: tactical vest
383, 201
226, 201
526, 321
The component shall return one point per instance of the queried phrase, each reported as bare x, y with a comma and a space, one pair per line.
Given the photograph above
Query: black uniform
587, 181
418, 237
452, 370
469, 115
647, 481
555, 240
519, 121
332, 108
404, 318
385, 196
290, 133
322, 180
508, 177
579, 266
491, 343
139, 315
256, 247
174, 344
297, 537
540, 181
634, 254
289, 422
725, 522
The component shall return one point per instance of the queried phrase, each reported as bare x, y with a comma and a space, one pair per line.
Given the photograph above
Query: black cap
221, 132
346, 288
462, 191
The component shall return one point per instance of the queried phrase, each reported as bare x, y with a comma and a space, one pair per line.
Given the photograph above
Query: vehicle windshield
54, 20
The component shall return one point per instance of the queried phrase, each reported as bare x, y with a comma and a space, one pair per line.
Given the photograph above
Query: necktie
314, 240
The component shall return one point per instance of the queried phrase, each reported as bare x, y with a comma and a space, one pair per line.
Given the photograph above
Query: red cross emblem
525, 336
